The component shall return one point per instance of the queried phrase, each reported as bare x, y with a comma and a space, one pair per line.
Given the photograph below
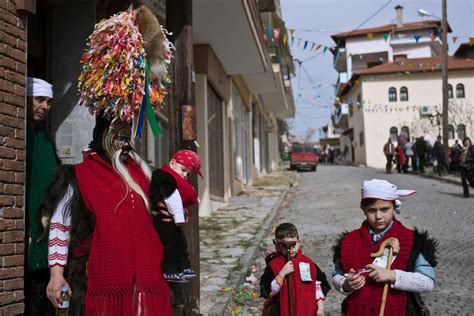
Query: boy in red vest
170, 184
309, 284
362, 278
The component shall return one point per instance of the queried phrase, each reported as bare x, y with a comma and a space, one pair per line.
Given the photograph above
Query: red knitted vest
355, 253
124, 271
304, 293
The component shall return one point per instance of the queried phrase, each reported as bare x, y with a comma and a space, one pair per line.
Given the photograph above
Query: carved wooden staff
393, 248
287, 245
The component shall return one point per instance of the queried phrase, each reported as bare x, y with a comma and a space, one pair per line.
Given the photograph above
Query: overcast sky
316, 20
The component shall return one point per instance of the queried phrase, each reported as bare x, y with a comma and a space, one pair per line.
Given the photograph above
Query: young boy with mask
309, 284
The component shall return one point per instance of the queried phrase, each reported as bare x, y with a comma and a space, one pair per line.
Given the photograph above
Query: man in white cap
362, 278
41, 162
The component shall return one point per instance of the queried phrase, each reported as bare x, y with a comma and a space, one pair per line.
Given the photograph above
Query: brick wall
12, 156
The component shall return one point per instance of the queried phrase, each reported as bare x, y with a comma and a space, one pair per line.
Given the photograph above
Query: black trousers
176, 257
36, 301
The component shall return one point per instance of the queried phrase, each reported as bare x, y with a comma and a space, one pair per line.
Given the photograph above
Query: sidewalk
230, 238
451, 178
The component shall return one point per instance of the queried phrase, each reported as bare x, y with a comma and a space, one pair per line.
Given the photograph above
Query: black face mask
101, 125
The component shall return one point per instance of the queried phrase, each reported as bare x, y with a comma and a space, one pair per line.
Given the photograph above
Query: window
393, 134
450, 91
361, 138
405, 131
392, 94
460, 91
461, 131
450, 131
359, 101
403, 94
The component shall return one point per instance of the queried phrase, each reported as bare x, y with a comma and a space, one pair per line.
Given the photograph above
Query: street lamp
444, 29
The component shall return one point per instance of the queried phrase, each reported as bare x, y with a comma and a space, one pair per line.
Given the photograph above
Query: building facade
241, 83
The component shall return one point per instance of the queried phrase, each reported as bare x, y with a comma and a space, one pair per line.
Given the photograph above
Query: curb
251, 253
440, 178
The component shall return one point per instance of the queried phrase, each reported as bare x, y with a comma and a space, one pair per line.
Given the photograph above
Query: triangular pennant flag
417, 38
325, 49
312, 46
276, 33
284, 39
292, 40
317, 47
455, 38
305, 44
433, 37
385, 36
471, 41
299, 42
270, 33
370, 36
291, 31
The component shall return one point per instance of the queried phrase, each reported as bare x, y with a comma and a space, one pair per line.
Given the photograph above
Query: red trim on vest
355, 253
186, 190
126, 252
304, 293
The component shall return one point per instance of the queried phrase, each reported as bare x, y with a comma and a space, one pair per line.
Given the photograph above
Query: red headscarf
188, 159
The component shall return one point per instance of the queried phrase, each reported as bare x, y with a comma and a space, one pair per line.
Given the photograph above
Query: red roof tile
419, 65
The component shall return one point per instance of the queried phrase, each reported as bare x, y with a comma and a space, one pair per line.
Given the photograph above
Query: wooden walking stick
393, 248
287, 245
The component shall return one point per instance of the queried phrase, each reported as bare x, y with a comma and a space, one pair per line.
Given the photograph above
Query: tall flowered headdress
125, 68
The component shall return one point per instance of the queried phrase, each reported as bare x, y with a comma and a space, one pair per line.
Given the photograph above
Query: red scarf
355, 253
186, 190
126, 253
304, 293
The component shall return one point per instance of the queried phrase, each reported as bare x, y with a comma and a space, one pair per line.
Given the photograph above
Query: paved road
326, 203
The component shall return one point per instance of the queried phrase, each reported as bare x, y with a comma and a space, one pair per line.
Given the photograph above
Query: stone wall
12, 156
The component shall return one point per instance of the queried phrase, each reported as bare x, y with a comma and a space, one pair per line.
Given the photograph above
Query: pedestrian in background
410, 154
361, 278
439, 156
41, 162
389, 152
309, 284
421, 151
467, 166
455, 156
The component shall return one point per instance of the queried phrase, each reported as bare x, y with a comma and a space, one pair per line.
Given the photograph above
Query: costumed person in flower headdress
308, 283
170, 184
98, 211
362, 279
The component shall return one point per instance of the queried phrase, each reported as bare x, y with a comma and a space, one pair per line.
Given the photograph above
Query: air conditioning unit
425, 110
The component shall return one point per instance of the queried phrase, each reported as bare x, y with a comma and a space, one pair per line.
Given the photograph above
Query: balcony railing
254, 10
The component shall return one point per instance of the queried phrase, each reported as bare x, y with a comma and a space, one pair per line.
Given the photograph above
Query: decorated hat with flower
125, 68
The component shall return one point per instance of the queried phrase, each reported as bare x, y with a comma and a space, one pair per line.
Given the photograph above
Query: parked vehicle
303, 157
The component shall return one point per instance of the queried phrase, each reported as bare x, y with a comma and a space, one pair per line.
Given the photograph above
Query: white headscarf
384, 190
36, 87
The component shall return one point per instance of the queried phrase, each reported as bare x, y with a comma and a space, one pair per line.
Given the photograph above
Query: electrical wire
372, 16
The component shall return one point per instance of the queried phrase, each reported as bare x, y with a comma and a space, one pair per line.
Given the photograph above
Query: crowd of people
415, 154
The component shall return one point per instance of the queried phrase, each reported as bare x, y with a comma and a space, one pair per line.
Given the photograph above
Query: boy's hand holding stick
284, 247
394, 247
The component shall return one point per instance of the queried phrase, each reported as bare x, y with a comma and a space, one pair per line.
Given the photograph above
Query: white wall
423, 89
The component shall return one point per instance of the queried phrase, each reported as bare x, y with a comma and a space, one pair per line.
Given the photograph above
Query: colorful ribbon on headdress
146, 108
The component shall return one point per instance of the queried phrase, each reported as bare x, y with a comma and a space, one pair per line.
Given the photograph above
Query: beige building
407, 96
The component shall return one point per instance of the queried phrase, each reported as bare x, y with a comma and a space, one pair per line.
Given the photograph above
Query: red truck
303, 157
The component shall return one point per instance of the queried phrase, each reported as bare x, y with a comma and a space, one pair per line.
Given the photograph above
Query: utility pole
182, 135
444, 29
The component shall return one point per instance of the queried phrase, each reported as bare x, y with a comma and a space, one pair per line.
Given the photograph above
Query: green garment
40, 167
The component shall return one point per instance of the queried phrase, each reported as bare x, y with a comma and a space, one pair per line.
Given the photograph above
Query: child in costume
169, 184
309, 284
362, 278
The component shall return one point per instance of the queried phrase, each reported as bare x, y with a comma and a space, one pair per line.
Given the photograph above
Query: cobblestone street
325, 204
